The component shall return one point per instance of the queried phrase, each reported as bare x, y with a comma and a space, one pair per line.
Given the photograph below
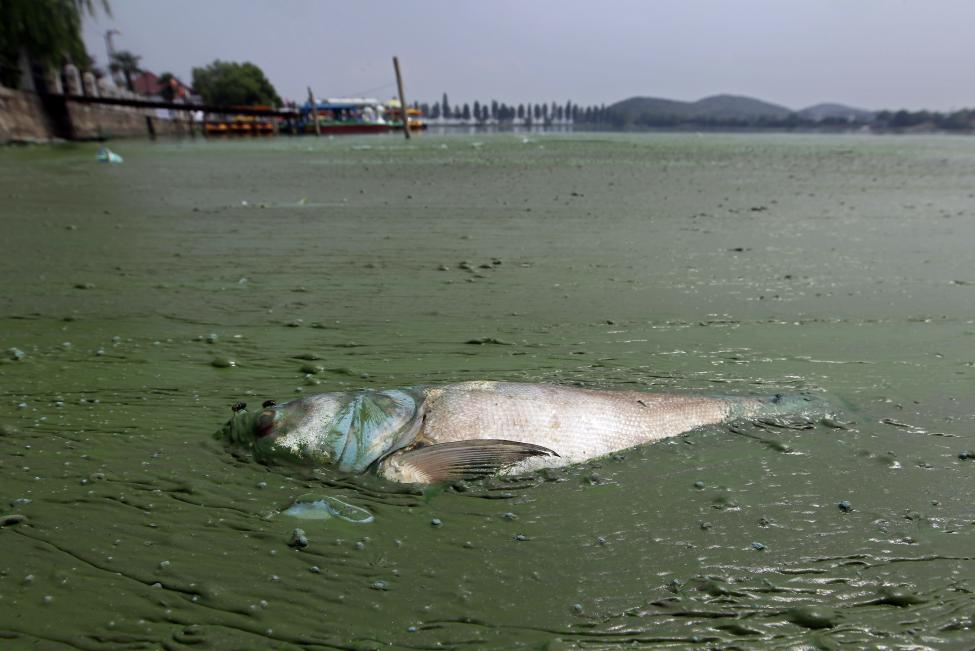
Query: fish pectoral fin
458, 460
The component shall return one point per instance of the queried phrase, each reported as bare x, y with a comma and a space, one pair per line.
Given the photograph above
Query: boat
344, 115
394, 115
240, 124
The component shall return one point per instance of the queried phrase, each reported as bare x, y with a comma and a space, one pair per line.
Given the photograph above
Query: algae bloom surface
141, 300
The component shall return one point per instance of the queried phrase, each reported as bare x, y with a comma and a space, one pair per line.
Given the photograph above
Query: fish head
295, 431
349, 430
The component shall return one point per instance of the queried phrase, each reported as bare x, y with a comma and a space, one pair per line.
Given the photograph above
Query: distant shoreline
602, 128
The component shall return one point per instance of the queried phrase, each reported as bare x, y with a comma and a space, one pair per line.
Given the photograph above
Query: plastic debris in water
106, 155
324, 507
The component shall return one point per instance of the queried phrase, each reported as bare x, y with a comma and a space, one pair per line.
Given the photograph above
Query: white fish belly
578, 424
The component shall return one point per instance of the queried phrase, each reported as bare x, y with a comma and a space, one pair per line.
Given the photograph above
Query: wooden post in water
402, 99
314, 112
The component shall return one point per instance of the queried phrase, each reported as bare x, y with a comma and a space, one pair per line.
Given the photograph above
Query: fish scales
577, 424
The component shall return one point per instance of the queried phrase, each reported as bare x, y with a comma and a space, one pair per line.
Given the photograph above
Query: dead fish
430, 434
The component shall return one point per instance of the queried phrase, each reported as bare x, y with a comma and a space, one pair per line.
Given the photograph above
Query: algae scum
141, 300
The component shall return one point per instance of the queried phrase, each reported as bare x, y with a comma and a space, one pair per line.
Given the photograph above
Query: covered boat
344, 115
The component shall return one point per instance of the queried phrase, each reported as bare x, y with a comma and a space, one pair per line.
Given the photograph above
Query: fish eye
264, 423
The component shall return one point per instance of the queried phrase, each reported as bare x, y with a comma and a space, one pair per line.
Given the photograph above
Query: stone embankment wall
29, 117
94, 122
22, 117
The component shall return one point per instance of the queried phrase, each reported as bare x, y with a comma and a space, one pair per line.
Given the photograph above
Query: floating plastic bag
106, 155
323, 507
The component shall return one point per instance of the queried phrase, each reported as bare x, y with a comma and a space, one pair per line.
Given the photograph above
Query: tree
227, 83
477, 110
445, 106
47, 32
127, 64
466, 114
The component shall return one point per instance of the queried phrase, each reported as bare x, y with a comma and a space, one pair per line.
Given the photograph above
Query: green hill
829, 111
715, 109
735, 107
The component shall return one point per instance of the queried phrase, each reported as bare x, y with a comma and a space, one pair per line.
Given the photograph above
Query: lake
141, 300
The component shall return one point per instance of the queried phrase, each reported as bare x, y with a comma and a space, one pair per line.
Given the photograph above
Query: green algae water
140, 301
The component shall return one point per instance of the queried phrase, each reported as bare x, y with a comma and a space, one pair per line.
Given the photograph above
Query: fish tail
794, 404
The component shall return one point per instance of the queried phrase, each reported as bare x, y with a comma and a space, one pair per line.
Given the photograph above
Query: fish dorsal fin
457, 460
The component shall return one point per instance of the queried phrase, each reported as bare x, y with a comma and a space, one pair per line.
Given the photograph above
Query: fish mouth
238, 430
251, 429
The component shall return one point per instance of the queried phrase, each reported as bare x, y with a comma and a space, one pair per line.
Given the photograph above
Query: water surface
148, 297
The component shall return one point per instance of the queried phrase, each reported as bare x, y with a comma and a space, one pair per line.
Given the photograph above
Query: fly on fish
475, 429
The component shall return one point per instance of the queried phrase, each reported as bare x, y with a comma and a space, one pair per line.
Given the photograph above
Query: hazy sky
868, 53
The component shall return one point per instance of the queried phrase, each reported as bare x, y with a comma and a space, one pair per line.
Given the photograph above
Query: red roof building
147, 83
